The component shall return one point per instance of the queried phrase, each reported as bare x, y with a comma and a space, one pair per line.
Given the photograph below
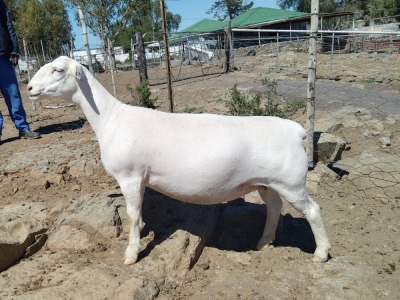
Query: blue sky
191, 12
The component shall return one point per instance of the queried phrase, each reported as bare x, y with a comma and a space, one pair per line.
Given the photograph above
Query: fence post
27, 67
167, 58
311, 84
141, 63
85, 39
111, 61
277, 50
44, 56
227, 47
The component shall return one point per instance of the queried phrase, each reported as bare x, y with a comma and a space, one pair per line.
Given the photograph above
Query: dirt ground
363, 227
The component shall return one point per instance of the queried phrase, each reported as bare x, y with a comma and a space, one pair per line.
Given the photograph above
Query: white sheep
195, 158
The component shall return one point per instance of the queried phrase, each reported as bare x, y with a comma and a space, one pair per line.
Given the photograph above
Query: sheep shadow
233, 226
59, 127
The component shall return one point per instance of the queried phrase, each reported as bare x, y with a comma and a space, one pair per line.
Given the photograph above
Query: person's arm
14, 40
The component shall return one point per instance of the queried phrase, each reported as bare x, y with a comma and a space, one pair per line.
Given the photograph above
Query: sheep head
56, 79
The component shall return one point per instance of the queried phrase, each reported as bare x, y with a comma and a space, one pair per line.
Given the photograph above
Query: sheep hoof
264, 246
129, 261
319, 259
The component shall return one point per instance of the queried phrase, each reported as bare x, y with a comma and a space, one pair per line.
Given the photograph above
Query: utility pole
167, 58
85, 39
312, 70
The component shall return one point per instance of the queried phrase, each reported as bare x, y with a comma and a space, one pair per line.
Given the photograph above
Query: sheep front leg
133, 192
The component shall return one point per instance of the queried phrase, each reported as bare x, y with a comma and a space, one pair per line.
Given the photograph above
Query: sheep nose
29, 87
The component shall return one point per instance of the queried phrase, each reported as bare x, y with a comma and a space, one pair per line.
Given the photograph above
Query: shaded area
58, 127
234, 226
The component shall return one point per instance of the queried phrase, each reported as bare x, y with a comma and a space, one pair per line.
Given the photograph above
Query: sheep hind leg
312, 212
273, 204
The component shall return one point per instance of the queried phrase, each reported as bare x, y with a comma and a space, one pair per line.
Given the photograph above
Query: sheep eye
58, 70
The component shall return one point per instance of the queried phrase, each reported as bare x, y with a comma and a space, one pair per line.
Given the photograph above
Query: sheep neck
95, 101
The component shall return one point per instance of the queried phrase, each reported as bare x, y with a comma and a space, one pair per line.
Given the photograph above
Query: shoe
29, 134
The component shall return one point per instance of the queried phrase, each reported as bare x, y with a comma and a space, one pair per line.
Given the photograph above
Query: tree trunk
142, 64
228, 32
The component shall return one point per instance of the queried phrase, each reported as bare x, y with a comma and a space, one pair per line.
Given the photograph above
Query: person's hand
14, 59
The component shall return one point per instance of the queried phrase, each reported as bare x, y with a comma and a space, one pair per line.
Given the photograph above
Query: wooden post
27, 68
85, 39
228, 33
44, 56
167, 58
111, 60
72, 48
312, 68
141, 63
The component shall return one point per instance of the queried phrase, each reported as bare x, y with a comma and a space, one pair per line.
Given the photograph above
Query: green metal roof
206, 25
264, 15
259, 15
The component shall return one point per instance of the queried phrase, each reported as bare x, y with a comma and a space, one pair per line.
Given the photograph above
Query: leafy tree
43, 21
383, 8
228, 9
149, 23
305, 5
366, 9
108, 18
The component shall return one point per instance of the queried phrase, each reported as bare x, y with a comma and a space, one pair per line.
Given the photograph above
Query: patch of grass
188, 110
295, 106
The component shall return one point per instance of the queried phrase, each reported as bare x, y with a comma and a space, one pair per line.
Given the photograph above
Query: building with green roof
262, 16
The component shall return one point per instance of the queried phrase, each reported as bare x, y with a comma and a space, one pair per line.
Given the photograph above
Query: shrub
261, 104
141, 95
244, 105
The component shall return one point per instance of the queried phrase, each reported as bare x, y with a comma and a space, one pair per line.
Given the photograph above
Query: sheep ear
75, 71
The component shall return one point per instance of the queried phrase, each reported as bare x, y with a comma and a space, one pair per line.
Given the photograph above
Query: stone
377, 170
384, 141
390, 120
23, 231
69, 238
137, 288
375, 125
330, 147
94, 214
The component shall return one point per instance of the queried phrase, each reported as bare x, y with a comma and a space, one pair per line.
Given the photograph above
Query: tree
305, 5
228, 9
108, 18
149, 23
43, 22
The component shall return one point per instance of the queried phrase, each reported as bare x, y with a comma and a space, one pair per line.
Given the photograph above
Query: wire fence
357, 107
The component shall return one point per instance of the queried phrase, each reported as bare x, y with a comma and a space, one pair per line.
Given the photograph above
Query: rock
390, 120
95, 215
377, 172
330, 147
368, 134
69, 238
347, 164
23, 228
384, 141
375, 125
137, 288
